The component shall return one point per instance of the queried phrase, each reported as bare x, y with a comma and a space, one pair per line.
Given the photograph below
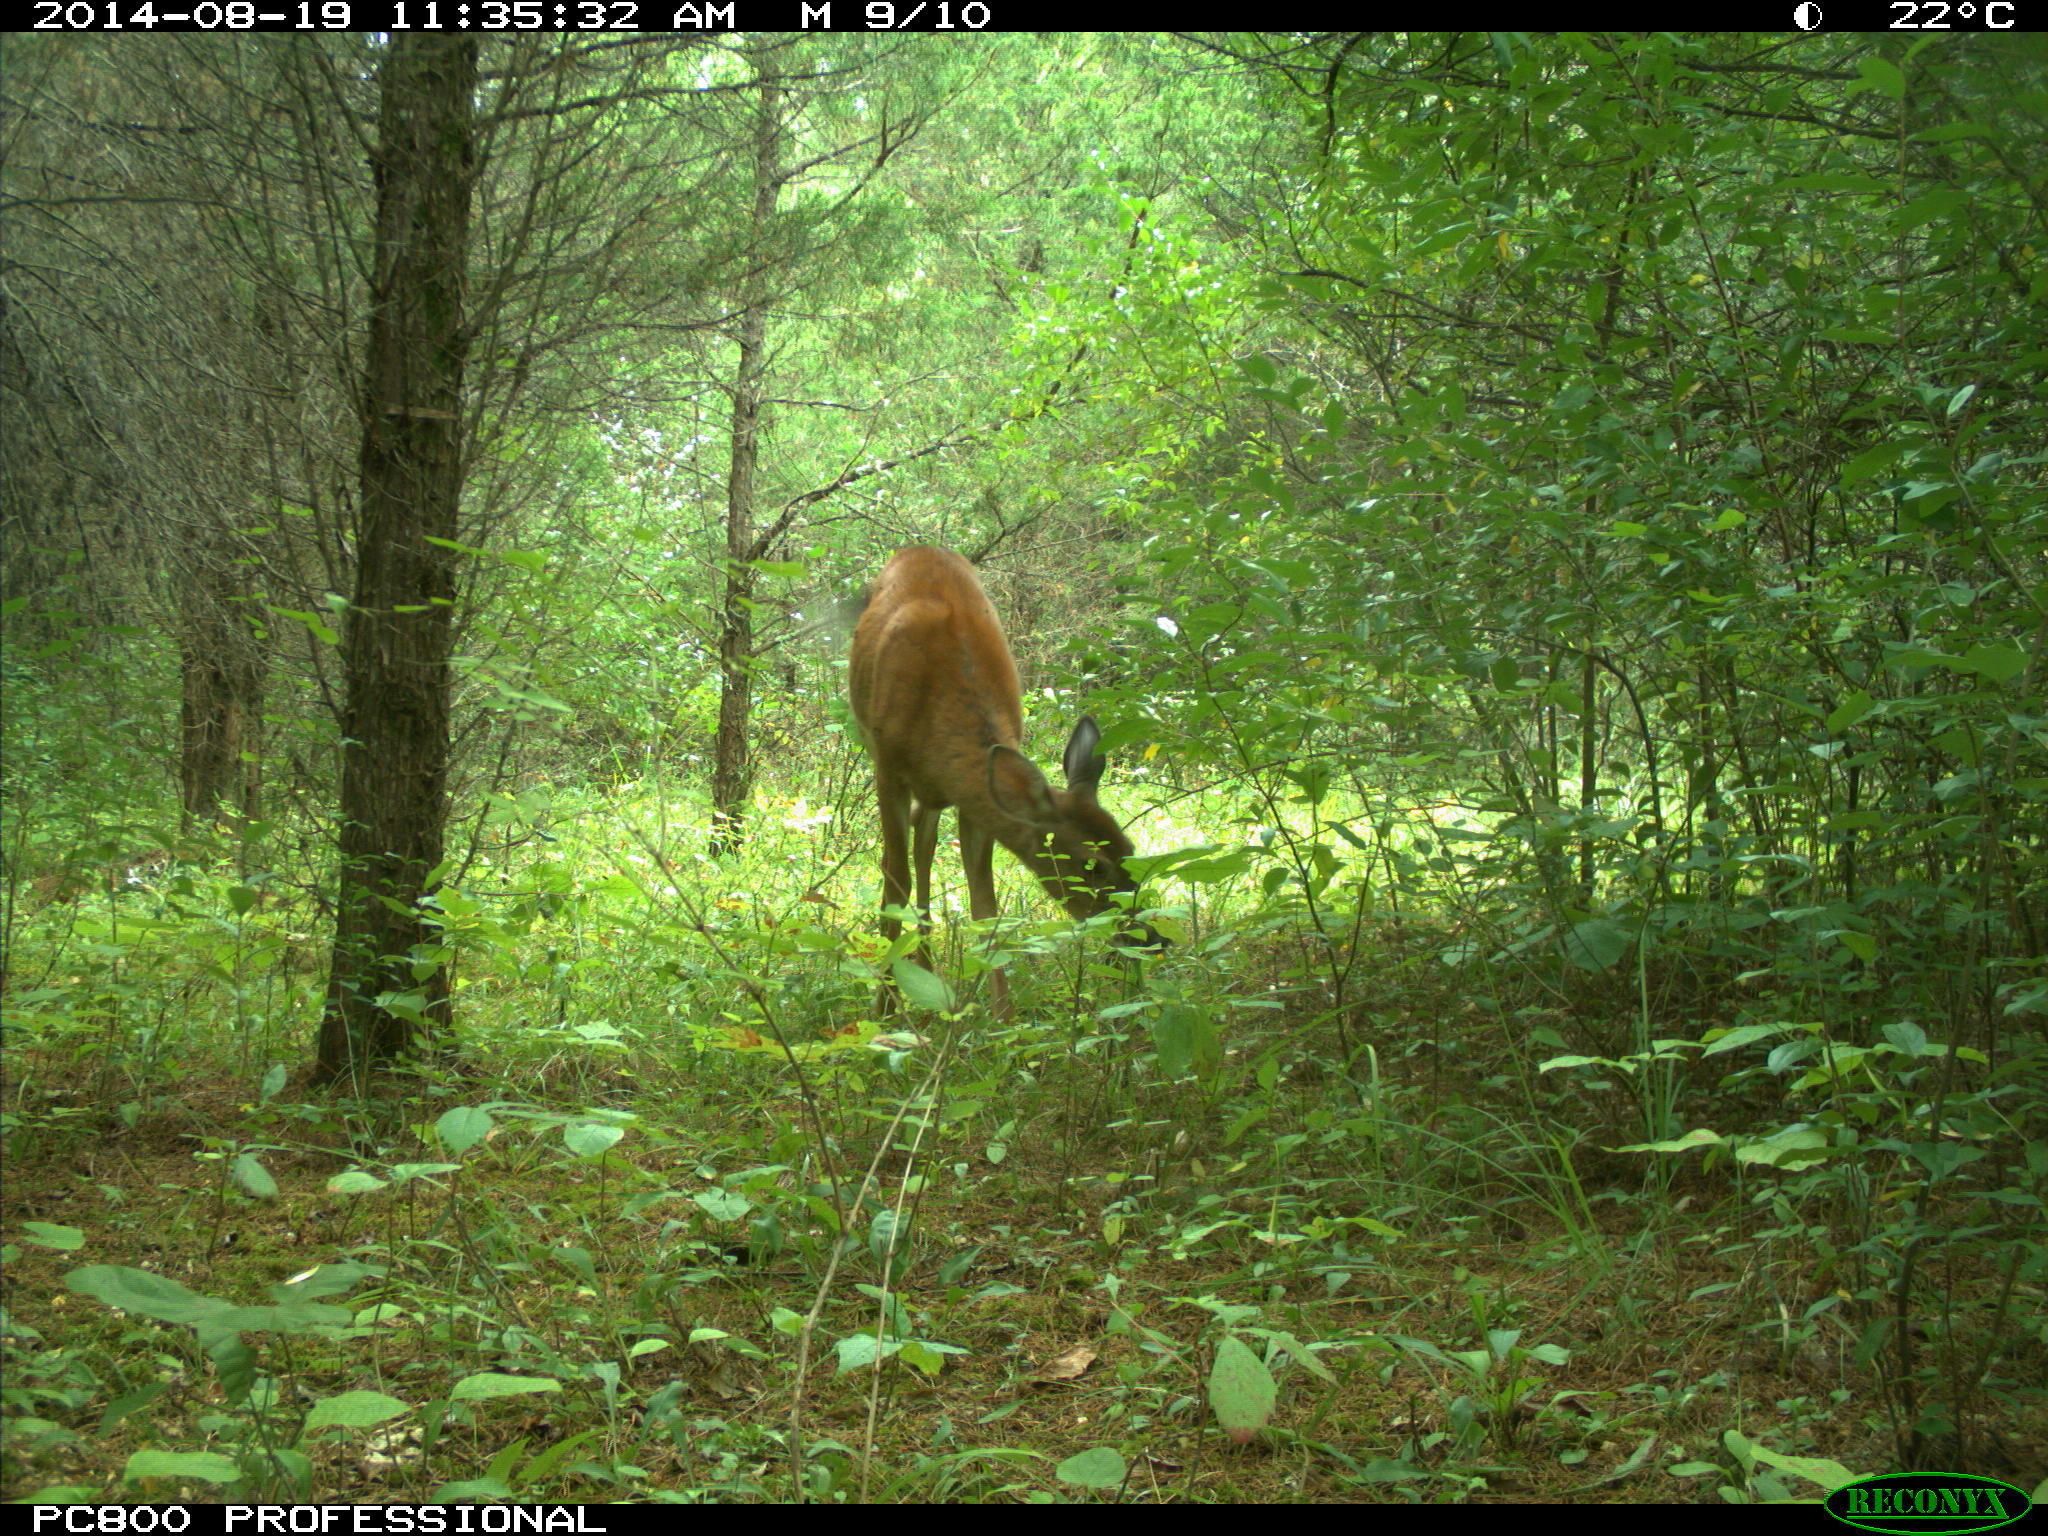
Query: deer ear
1018, 788
1084, 767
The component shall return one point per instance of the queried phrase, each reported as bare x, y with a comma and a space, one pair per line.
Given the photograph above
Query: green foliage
1554, 528
269, 1460
1898, 1169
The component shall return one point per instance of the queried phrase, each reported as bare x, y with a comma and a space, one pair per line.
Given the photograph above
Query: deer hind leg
893, 803
924, 826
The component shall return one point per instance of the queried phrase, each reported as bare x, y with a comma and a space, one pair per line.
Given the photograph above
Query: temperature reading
1940, 16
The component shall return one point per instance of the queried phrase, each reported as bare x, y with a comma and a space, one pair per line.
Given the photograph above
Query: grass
682, 1221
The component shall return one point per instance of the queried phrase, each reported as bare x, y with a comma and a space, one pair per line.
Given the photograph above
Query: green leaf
885, 1237
1101, 1467
1880, 75
233, 1361
1903, 658
500, 1469
927, 1356
483, 1490
1382, 1470
489, 1384
586, 1139
543, 1466
46, 1234
1909, 1038
722, 1204
1301, 1354
131, 1403
137, 1290
577, 1260
355, 1410
325, 1280
463, 1127
1597, 943
1744, 1035
1186, 1039
921, 987
315, 625
859, 1350
254, 1178
1691, 1141
193, 1466
2000, 663
1815, 1469
1241, 1390
1848, 712
1794, 1147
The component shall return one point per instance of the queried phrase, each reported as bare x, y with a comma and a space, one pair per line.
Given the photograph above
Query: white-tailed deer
935, 692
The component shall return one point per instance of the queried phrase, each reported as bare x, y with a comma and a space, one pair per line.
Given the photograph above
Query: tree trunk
222, 667
732, 774
388, 991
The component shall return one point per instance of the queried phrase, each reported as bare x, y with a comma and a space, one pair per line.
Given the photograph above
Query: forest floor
540, 1321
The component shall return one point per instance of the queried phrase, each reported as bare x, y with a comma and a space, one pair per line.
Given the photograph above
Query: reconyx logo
1948, 1503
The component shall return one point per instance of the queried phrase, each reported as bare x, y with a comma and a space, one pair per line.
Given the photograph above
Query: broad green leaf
1794, 1147
1815, 1469
1597, 943
463, 1127
921, 987
859, 1350
355, 1410
137, 1290
2000, 663
233, 1361
1881, 75
325, 1280
722, 1204
586, 1139
489, 1384
184, 1466
1743, 1035
482, 1490
1241, 1390
1689, 1142
1101, 1467
1848, 712
1186, 1039
254, 1178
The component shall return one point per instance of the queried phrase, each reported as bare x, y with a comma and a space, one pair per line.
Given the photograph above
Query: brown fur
935, 691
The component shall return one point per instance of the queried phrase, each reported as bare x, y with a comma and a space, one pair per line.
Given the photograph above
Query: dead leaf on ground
1067, 1366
